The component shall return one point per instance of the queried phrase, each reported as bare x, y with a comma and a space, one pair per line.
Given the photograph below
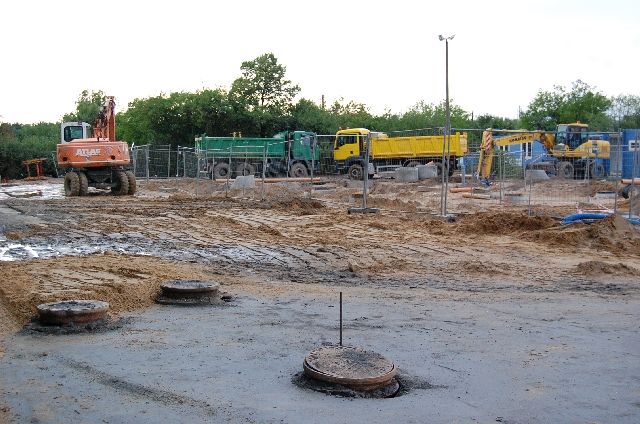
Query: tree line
261, 102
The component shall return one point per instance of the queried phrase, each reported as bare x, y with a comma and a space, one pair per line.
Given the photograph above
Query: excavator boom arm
488, 144
105, 125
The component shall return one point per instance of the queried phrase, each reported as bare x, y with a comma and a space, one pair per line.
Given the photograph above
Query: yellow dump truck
386, 152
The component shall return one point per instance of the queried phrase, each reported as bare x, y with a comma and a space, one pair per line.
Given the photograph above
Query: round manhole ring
72, 311
191, 301
186, 287
389, 390
352, 367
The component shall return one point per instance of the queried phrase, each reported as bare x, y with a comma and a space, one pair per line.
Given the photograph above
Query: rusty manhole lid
188, 292
349, 366
189, 286
72, 311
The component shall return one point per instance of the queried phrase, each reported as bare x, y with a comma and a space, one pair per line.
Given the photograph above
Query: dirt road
536, 320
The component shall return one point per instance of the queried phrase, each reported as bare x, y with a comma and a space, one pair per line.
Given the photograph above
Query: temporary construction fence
519, 176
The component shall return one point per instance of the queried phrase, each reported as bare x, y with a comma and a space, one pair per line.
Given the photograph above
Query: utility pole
446, 147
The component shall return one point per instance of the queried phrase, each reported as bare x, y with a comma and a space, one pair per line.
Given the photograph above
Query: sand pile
613, 233
595, 268
503, 223
398, 204
596, 186
300, 206
127, 282
483, 267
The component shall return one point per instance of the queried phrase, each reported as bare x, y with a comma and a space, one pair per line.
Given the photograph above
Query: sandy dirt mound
596, 268
483, 268
127, 282
613, 233
299, 206
503, 223
597, 186
399, 203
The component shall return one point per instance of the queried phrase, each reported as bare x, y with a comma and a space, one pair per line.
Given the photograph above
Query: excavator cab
572, 135
74, 130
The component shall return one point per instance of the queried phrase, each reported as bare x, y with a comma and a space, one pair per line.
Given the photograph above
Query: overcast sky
385, 54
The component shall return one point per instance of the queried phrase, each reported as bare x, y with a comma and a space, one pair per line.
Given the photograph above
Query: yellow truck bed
417, 146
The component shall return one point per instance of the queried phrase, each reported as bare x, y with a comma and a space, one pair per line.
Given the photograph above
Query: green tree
263, 92
311, 117
580, 103
88, 107
496, 122
625, 111
176, 118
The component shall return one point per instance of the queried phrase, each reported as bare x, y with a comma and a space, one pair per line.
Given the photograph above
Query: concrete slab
570, 359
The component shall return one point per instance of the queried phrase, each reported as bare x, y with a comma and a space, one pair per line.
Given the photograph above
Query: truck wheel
439, 168
565, 169
121, 183
131, 178
298, 170
71, 184
84, 184
245, 169
596, 170
221, 171
355, 171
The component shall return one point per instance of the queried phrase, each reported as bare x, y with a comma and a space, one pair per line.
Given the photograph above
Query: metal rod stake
340, 318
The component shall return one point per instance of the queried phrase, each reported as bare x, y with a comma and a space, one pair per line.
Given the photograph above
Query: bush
24, 142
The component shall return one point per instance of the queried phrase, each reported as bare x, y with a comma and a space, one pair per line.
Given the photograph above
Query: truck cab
350, 143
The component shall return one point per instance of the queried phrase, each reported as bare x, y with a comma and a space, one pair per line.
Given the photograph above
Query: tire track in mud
160, 396
324, 246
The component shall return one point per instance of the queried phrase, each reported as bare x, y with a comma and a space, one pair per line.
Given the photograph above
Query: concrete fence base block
407, 175
427, 171
247, 181
535, 175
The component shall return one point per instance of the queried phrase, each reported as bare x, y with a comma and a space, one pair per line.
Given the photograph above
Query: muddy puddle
43, 248
43, 190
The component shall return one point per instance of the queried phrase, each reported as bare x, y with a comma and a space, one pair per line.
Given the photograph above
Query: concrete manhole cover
352, 367
188, 292
72, 312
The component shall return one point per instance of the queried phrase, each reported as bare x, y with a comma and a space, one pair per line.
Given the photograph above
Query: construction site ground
495, 316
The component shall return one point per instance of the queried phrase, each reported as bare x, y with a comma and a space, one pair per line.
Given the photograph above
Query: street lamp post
446, 147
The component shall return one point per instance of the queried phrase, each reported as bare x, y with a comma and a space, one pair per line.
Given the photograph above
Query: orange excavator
99, 161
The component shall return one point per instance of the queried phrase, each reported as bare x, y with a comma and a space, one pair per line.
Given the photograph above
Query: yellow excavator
569, 151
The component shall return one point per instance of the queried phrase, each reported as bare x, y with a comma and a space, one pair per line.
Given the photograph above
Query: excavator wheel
84, 184
121, 183
71, 184
597, 170
565, 169
131, 177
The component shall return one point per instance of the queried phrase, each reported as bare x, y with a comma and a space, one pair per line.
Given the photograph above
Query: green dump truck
289, 152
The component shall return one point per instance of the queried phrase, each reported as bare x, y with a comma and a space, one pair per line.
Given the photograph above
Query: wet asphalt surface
493, 351
562, 359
